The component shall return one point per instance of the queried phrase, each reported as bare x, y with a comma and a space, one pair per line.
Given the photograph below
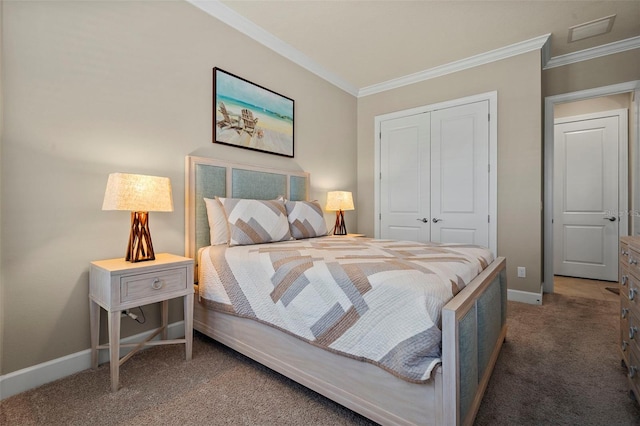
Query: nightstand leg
188, 325
94, 321
114, 348
165, 319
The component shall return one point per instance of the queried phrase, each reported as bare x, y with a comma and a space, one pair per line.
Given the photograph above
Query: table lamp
140, 195
339, 201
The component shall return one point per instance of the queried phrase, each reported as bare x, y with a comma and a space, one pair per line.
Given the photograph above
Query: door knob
423, 220
436, 220
610, 218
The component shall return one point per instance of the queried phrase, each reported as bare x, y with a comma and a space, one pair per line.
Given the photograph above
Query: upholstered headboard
208, 178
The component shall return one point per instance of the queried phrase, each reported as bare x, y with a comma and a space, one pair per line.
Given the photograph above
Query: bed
473, 322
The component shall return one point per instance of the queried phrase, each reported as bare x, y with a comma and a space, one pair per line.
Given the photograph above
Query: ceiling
366, 43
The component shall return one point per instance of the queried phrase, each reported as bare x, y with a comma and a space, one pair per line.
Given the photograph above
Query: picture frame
250, 116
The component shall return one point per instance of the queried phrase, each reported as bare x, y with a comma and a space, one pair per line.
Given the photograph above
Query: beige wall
518, 83
100, 87
604, 71
588, 106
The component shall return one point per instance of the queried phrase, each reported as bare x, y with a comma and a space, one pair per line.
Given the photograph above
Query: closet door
434, 180
460, 174
404, 180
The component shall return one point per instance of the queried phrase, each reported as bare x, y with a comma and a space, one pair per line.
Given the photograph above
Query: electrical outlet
522, 272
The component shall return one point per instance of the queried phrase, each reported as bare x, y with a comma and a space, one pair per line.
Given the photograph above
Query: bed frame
473, 322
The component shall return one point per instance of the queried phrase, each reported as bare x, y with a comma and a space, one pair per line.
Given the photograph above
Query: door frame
492, 98
549, 105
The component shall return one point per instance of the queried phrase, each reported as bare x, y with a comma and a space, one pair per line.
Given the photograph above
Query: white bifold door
585, 199
434, 180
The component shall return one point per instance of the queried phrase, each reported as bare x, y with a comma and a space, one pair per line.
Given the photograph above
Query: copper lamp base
140, 247
340, 228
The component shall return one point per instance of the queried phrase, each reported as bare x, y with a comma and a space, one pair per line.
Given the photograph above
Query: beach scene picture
250, 116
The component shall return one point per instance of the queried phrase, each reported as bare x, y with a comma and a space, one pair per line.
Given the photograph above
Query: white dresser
630, 310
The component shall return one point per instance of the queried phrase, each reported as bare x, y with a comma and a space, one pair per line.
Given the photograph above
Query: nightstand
117, 285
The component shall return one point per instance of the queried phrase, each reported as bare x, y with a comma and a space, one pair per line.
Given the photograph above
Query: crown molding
594, 52
232, 18
536, 43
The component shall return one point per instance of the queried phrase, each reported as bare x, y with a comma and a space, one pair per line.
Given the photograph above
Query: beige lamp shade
339, 200
138, 193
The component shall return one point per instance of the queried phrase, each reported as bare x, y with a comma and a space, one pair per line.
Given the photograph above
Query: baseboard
525, 296
40, 374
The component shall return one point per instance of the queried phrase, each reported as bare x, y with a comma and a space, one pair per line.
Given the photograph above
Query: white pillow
218, 228
306, 219
255, 221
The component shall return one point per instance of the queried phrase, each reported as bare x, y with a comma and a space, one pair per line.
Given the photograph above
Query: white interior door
586, 191
460, 174
404, 180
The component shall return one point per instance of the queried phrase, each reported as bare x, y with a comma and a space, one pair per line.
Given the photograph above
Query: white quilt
378, 301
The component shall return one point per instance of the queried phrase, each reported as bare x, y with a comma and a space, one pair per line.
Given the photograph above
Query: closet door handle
423, 220
436, 220
610, 218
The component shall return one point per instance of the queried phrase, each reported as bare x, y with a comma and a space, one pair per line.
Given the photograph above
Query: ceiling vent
591, 29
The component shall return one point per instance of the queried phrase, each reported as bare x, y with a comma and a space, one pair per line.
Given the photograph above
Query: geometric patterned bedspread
377, 301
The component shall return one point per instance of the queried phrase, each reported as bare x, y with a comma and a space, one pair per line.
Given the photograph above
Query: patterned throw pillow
255, 221
306, 219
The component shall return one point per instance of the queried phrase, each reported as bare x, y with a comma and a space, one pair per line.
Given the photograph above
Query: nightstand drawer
144, 286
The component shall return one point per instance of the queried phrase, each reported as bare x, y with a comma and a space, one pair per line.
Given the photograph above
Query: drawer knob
632, 332
624, 345
624, 253
625, 311
625, 278
156, 284
633, 261
633, 370
632, 293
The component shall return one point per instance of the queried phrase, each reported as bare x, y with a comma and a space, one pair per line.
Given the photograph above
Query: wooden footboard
453, 394
474, 326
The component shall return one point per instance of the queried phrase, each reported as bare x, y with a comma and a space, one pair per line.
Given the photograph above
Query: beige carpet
559, 366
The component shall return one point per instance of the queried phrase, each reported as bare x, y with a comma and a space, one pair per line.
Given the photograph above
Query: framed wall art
250, 116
